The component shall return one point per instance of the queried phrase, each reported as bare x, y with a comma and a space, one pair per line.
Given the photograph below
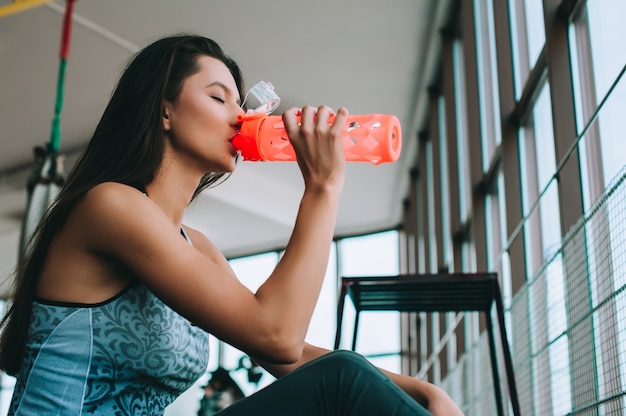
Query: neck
172, 189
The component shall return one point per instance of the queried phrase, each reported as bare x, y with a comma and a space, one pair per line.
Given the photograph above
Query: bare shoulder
111, 213
117, 201
112, 195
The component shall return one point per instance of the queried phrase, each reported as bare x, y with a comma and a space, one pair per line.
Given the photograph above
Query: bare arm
428, 395
271, 323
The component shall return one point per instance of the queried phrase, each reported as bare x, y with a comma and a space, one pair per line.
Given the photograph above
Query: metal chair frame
441, 292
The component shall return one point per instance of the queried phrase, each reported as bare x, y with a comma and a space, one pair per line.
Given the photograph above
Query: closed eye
220, 99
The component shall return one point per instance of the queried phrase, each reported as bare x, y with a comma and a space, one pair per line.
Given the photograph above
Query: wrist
325, 189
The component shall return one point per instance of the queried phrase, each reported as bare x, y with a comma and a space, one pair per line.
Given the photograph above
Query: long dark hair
127, 146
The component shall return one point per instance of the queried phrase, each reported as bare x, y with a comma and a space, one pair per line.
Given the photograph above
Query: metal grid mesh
567, 325
576, 325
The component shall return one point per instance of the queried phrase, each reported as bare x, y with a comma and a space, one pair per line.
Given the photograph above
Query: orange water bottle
374, 138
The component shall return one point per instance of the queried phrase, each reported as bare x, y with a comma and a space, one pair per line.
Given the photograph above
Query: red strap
67, 30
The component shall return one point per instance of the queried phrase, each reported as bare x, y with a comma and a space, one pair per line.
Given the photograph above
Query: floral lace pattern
138, 355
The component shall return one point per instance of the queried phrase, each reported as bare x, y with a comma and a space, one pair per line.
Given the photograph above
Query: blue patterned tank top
130, 355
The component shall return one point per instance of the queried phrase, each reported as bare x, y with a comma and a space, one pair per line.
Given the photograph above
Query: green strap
55, 136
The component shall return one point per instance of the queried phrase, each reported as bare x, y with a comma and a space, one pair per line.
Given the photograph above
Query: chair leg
508, 361
356, 327
494, 364
342, 301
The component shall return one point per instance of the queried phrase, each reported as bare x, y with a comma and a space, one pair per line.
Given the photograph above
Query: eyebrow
225, 88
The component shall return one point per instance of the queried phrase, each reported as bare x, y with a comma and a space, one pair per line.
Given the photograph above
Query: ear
165, 117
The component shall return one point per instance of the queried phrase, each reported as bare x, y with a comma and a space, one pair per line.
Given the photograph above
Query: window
598, 63
487, 80
379, 332
252, 271
528, 37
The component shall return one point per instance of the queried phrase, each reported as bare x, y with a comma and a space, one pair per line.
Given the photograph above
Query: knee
347, 359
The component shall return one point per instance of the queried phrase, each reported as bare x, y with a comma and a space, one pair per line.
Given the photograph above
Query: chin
227, 166
235, 161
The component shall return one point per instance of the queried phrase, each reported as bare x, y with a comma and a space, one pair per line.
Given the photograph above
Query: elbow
285, 350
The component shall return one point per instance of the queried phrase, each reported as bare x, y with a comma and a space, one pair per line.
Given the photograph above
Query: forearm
292, 289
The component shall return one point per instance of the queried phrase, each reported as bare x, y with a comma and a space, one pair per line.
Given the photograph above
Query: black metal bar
507, 352
356, 327
494, 364
342, 301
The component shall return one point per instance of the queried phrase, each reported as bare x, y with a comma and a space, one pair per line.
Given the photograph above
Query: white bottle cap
261, 98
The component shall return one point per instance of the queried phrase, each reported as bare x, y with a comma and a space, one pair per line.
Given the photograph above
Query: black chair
441, 292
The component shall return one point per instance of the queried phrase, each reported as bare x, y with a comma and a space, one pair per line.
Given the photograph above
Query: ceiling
370, 56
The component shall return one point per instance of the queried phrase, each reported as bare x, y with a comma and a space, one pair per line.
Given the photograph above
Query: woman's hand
433, 398
318, 145
441, 404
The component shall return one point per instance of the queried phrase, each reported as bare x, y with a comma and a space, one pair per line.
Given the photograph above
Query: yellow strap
19, 5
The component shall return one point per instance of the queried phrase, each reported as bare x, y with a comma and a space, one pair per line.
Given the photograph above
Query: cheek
197, 122
191, 108
203, 120
192, 124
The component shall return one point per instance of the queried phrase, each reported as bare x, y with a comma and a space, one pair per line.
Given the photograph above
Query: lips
233, 150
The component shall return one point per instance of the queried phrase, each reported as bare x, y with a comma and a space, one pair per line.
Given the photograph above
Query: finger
341, 119
290, 120
308, 118
323, 113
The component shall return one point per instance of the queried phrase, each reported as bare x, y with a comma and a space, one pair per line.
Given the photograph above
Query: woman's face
202, 120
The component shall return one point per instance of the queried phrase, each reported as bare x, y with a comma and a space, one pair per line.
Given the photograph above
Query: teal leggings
340, 383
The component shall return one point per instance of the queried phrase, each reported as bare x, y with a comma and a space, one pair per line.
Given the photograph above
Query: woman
115, 297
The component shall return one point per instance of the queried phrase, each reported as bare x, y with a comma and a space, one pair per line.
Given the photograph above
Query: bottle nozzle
261, 98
